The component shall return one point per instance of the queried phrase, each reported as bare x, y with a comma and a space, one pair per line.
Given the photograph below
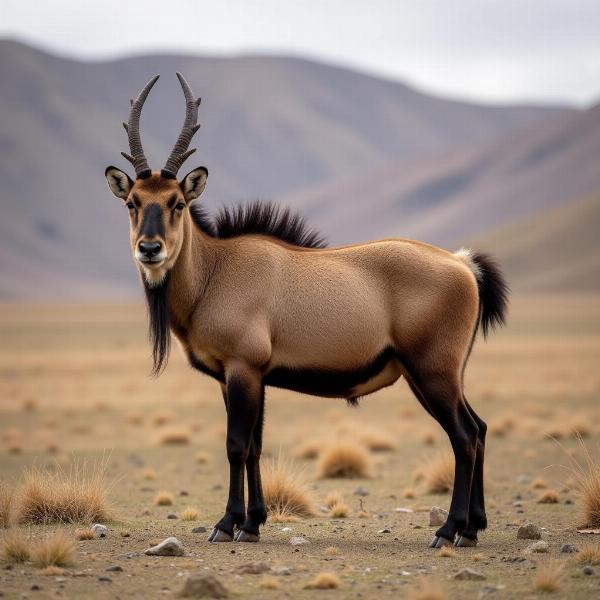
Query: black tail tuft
493, 292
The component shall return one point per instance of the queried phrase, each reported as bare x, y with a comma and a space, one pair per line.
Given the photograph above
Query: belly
382, 371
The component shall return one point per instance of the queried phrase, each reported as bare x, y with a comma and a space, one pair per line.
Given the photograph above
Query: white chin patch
154, 277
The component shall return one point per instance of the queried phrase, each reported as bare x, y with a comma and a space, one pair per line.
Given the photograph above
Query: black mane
263, 218
158, 323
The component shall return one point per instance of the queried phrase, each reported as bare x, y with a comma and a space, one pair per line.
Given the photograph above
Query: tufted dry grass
56, 550
338, 510
309, 450
344, 460
285, 492
587, 485
7, 497
548, 497
190, 514
429, 589
324, 581
549, 577
164, 498
76, 495
438, 473
84, 534
175, 436
589, 554
16, 547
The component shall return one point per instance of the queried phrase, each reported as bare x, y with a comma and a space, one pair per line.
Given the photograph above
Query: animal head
157, 200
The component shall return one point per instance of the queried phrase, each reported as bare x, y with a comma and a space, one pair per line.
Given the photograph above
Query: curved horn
137, 158
180, 152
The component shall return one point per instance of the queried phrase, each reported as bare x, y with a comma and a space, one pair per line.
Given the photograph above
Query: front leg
243, 394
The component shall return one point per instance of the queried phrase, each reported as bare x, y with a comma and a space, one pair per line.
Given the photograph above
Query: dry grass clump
548, 497
285, 492
7, 497
190, 514
56, 550
149, 474
549, 577
324, 581
447, 552
134, 418
344, 460
269, 582
501, 426
429, 589
76, 495
579, 429
84, 534
377, 441
333, 497
438, 473
16, 547
202, 458
428, 438
409, 493
589, 554
53, 571
162, 417
175, 436
309, 450
331, 551
339, 510
539, 483
164, 498
587, 484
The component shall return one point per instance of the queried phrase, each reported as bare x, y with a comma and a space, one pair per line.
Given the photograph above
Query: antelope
256, 299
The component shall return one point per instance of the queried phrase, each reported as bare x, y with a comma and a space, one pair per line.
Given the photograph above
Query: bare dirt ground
74, 383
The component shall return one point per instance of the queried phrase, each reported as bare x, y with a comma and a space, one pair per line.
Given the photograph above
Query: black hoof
218, 535
244, 536
465, 542
439, 542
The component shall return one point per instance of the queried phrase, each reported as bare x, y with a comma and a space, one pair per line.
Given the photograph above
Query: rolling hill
272, 127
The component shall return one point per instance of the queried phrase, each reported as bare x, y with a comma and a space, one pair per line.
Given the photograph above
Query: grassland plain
74, 385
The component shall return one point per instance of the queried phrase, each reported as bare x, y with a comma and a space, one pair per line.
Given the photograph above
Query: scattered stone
199, 529
184, 493
125, 534
35, 587
286, 529
169, 547
299, 540
115, 568
524, 479
200, 585
518, 504
385, 530
569, 549
280, 570
403, 510
172, 516
588, 570
437, 516
540, 547
361, 491
486, 590
254, 568
469, 575
568, 501
101, 531
529, 531
105, 579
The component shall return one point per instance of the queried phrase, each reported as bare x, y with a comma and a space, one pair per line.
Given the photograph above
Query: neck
171, 303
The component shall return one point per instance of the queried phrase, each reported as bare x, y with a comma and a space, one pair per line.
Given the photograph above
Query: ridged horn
180, 152
132, 127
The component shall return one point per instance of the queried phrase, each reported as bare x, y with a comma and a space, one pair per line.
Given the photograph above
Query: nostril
150, 249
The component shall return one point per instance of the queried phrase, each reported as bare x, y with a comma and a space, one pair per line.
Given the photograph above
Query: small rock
469, 575
361, 491
254, 568
518, 504
588, 570
184, 493
524, 479
286, 529
199, 529
172, 516
385, 530
529, 531
568, 501
201, 585
540, 547
169, 547
101, 531
280, 570
437, 516
299, 540
403, 510
486, 590
105, 579
569, 549
115, 568
35, 587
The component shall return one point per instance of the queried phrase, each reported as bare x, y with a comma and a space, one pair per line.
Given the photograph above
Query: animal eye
180, 206
130, 205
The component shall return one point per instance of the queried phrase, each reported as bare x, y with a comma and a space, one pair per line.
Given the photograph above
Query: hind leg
477, 516
441, 396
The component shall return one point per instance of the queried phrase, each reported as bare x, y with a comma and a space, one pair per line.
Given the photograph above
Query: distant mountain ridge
271, 127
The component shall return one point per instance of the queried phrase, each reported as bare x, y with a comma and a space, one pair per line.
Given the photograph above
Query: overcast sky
492, 50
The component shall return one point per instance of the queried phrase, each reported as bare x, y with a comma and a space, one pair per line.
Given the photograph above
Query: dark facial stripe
152, 222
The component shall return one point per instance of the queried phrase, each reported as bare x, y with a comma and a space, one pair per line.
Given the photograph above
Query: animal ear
119, 182
194, 182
